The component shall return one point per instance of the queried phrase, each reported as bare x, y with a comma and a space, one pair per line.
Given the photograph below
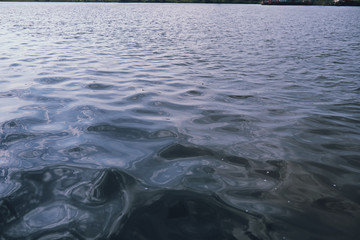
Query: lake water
179, 121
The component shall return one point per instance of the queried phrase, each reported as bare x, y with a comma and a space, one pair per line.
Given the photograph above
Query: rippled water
179, 121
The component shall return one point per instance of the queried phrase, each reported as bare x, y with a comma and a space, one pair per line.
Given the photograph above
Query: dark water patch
9, 138
247, 194
331, 121
336, 205
15, 65
89, 203
332, 177
276, 111
50, 200
352, 160
119, 132
228, 129
143, 75
47, 99
132, 120
59, 236
99, 96
271, 169
342, 226
277, 163
108, 185
103, 73
150, 112
351, 192
176, 151
171, 105
44, 73
28, 60
187, 215
210, 117
51, 80
193, 93
342, 119
236, 160
19, 125
268, 173
324, 132
8, 94
15, 76
139, 96
98, 86
336, 171
240, 96
69, 59
342, 147
12, 124
6, 213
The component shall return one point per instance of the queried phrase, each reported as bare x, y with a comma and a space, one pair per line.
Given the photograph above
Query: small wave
98, 86
51, 80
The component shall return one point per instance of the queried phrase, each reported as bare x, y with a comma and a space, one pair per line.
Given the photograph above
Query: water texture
179, 121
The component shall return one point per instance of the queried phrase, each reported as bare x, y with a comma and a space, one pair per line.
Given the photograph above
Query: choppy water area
179, 121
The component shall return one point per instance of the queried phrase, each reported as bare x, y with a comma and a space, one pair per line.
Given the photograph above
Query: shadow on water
63, 202
185, 215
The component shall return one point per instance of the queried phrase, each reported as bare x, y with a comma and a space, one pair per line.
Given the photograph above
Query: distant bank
286, 2
263, 2
312, 2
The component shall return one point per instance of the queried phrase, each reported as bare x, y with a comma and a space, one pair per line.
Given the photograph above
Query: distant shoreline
263, 2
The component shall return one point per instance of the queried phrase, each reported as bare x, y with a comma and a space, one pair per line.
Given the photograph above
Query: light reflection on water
173, 121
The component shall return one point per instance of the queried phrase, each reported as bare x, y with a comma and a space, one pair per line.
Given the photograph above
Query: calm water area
179, 121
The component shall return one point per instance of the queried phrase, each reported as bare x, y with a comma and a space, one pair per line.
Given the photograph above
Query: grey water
179, 121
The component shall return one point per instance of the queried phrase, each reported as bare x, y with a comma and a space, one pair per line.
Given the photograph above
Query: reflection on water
179, 121
83, 203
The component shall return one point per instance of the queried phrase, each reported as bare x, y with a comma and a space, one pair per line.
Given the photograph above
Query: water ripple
145, 121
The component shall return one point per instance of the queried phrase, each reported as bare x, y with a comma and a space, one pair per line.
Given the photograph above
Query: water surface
179, 121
